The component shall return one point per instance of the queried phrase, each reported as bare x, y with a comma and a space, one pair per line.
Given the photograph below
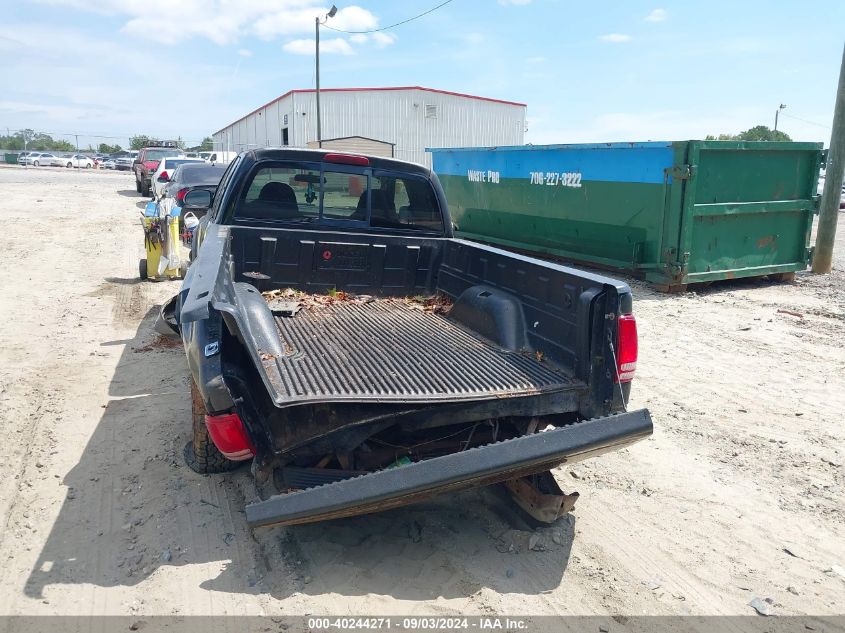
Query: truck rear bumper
475, 467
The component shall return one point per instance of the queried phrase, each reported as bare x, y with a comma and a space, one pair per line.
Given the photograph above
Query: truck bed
394, 351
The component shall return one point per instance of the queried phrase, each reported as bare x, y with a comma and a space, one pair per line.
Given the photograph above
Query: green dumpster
674, 213
12, 159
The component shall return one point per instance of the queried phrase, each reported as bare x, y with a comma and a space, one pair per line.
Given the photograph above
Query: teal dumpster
673, 213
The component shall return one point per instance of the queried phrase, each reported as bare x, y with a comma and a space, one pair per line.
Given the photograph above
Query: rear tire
36, 164
145, 190
142, 269
137, 185
87, 165
201, 455
69, 165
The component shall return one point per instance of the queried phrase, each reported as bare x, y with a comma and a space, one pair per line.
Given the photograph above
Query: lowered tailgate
475, 467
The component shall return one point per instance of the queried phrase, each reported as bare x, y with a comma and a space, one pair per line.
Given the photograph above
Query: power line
385, 28
72, 134
87, 135
789, 116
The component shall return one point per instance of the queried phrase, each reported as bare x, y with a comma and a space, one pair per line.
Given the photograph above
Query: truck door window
214, 211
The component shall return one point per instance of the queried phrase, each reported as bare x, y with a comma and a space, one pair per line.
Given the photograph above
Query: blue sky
613, 71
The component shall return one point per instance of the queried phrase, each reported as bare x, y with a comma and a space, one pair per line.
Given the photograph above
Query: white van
218, 157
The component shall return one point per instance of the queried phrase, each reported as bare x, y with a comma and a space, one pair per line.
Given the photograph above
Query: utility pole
777, 112
834, 172
317, 32
77, 142
317, 23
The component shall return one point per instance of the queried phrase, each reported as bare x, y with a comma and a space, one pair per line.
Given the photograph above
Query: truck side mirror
197, 199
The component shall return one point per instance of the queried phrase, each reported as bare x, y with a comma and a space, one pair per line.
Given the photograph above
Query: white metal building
409, 118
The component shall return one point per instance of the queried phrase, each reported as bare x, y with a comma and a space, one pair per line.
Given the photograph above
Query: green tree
763, 133
207, 144
756, 133
105, 148
31, 140
139, 141
13, 142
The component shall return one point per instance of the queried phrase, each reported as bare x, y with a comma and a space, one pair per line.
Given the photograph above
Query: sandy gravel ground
738, 495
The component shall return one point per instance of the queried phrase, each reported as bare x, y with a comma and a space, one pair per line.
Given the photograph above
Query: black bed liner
395, 351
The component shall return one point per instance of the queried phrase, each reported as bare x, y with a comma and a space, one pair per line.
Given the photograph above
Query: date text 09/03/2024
418, 623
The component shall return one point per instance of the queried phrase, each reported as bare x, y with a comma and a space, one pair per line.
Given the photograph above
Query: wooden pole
834, 172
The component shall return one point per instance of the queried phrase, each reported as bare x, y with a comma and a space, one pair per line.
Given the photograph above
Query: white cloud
222, 21
245, 52
514, 3
658, 15
616, 38
48, 110
50, 91
306, 47
359, 38
294, 21
383, 39
353, 19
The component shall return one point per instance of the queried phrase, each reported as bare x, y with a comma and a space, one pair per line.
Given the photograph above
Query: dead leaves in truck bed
289, 301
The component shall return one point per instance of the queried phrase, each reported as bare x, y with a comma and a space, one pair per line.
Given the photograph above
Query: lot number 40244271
556, 178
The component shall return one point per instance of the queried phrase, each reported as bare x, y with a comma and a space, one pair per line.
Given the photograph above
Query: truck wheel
137, 185
200, 453
142, 269
145, 190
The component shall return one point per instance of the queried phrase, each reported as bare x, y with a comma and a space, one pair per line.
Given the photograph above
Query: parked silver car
124, 160
43, 159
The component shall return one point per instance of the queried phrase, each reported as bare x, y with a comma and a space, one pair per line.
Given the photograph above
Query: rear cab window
158, 154
321, 195
173, 163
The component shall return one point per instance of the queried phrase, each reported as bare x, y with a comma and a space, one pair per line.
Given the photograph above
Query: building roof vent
430, 111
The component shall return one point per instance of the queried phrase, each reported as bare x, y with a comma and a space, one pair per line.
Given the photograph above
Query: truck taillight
626, 348
229, 436
180, 195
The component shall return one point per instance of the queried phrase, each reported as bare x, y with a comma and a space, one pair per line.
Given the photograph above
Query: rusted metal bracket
541, 497
680, 172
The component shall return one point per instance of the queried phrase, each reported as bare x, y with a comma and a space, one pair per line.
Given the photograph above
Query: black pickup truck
339, 336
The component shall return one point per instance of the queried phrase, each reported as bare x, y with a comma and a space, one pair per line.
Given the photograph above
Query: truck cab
147, 162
